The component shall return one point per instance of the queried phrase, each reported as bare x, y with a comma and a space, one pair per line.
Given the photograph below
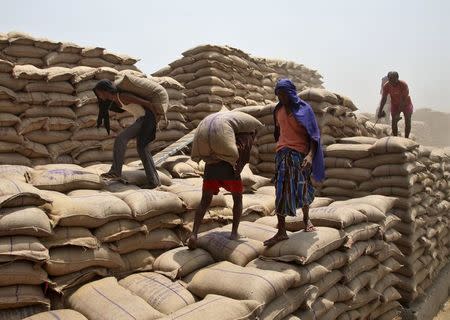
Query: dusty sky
352, 43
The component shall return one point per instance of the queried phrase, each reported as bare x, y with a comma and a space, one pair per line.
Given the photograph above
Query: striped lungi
292, 184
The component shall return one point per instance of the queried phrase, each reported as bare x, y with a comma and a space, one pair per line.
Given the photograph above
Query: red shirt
397, 93
292, 134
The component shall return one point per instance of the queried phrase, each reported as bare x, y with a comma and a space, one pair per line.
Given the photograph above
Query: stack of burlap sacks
334, 114
417, 177
50, 116
77, 228
23, 49
218, 76
343, 270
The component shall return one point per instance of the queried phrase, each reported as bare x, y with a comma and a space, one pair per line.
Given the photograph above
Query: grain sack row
344, 269
216, 76
79, 228
23, 49
50, 115
418, 178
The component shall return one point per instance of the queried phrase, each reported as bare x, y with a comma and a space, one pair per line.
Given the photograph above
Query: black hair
106, 105
393, 74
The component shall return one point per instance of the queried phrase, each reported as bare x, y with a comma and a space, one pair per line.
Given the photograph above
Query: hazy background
352, 43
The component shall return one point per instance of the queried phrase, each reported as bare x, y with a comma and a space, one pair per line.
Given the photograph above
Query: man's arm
244, 149
307, 162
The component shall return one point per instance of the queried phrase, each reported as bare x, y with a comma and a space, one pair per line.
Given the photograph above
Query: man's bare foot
192, 242
309, 227
275, 239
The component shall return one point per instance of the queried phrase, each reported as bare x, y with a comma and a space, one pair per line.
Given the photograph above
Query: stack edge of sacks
397, 167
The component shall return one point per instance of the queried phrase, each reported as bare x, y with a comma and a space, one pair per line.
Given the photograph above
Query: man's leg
308, 224
237, 212
395, 120
120, 146
280, 235
408, 117
147, 161
199, 214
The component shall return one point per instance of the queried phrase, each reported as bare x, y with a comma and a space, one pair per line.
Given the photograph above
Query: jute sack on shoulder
155, 240
393, 144
215, 136
21, 296
22, 272
88, 211
305, 247
292, 300
214, 306
309, 273
71, 236
106, 299
64, 180
180, 262
158, 291
27, 221
22, 248
57, 314
254, 284
65, 260
146, 203
217, 242
146, 89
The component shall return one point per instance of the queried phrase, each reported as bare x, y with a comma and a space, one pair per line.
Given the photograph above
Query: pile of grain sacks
348, 273
397, 167
23, 49
218, 76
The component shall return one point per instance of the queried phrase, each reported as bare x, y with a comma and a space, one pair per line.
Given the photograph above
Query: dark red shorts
233, 186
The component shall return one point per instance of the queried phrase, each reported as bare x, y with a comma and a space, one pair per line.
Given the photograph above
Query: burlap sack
350, 151
118, 229
363, 263
218, 306
383, 203
21, 296
65, 260
255, 284
361, 232
219, 245
112, 302
47, 137
145, 88
354, 174
64, 180
292, 300
393, 145
57, 314
321, 306
21, 313
155, 240
398, 170
71, 236
339, 293
215, 136
13, 172
309, 273
147, 203
305, 247
333, 162
88, 211
329, 281
179, 262
22, 272
22, 248
164, 221
139, 260
27, 221
254, 231
158, 291
333, 260
319, 95
357, 140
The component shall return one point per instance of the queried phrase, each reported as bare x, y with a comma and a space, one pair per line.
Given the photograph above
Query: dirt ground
444, 314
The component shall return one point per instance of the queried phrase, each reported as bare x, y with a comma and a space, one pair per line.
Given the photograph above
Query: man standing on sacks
298, 156
223, 140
